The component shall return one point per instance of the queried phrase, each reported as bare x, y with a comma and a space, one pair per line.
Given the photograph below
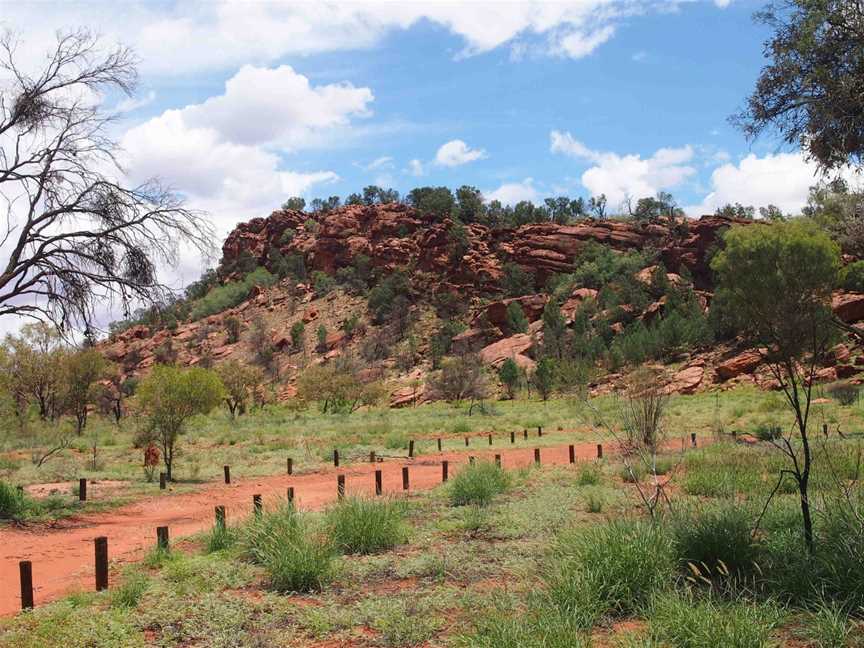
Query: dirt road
63, 558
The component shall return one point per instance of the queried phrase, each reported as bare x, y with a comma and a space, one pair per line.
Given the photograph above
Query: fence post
340, 486
162, 538
220, 517
290, 466
378, 483
525, 434
444, 470
372, 457
163, 478
290, 495
825, 430
466, 441
404, 477
82, 490
101, 546
512, 436
599, 450
25, 567
411, 448
498, 460
335, 458
439, 444
490, 438
537, 456
539, 430
471, 460
227, 471
572, 451
256, 504
693, 439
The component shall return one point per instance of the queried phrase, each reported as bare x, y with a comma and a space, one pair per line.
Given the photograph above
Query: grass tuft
364, 526
478, 484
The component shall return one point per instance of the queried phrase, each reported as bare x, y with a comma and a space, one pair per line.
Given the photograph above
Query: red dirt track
63, 558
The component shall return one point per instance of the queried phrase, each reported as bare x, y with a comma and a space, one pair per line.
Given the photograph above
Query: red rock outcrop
743, 363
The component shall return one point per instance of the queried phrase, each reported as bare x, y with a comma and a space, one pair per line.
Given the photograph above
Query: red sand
63, 558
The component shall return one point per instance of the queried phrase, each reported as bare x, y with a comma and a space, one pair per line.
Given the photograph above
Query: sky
242, 105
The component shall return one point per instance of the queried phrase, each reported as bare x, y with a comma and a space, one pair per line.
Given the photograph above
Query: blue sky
244, 104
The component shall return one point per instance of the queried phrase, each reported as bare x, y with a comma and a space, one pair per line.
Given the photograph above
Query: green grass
364, 526
478, 484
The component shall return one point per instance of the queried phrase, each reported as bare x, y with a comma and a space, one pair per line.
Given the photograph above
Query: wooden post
490, 438
227, 471
340, 486
537, 456
290, 494
693, 439
512, 436
444, 470
82, 490
525, 434
411, 448
825, 430
471, 460
372, 457
220, 517
466, 442
101, 546
25, 567
539, 430
498, 460
290, 466
599, 450
572, 451
257, 505
163, 478
335, 458
162, 538
404, 477
439, 444
379, 487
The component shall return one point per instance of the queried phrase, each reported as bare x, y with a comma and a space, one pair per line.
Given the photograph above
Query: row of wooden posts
162, 541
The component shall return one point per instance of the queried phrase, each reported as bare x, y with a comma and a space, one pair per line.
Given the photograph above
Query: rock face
743, 363
514, 347
395, 235
849, 307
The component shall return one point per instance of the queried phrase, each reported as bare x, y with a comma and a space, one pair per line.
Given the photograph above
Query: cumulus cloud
623, 176
415, 168
225, 153
511, 193
178, 38
782, 179
456, 153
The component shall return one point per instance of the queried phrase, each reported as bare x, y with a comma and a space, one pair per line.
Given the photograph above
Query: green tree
298, 333
469, 204
81, 371
554, 330
509, 376
240, 381
35, 362
321, 333
775, 284
810, 91
544, 377
170, 397
516, 320
434, 200
295, 203
516, 282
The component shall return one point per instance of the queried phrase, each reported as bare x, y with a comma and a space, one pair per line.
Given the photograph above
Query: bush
478, 484
13, 504
843, 393
221, 298
294, 558
852, 276
365, 526
686, 622
614, 569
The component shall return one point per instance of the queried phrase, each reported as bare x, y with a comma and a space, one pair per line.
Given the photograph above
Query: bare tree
76, 236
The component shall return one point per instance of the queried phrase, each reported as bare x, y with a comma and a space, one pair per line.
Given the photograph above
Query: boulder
743, 363
496, 312
497, 352
848, 307
687, 380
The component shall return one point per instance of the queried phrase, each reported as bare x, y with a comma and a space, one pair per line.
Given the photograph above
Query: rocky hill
454, 273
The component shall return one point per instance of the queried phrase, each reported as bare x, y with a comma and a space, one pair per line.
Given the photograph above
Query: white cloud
623, 176
192, 37
415, 168
131, 104
225, 153
512, 192
456, 153
783, 179
383, 162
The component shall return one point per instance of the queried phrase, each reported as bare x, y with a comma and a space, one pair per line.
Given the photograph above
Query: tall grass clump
295, 558
610, 570
219, 538
828, 626
129, 592
478, 484
13, 504
685, 621
539, 628
364, 526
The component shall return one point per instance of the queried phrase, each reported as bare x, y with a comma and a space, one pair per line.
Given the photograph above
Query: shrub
129, 592
322, 283
852, 276
613, 569
687, 622
220, 298
478, 484
516, 282
516, 320
219, 538
13, 504
365, 526
589, 475
282, 543
232, 329
843, 393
